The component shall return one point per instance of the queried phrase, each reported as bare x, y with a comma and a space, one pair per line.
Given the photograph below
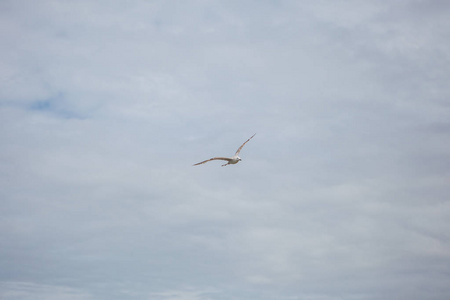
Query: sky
342, 194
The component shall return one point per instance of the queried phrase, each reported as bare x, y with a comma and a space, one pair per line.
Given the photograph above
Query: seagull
230, 160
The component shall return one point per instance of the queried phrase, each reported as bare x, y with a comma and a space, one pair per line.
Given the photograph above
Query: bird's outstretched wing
214, 158
240, 148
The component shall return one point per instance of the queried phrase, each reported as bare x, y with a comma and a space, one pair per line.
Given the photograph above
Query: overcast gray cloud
342, 194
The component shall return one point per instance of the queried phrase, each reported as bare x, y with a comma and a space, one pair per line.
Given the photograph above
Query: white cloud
28, 290
104, 107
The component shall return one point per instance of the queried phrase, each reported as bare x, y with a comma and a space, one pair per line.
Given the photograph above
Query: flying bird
230, 160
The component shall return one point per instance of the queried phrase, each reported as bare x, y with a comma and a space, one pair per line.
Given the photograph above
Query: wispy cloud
28, 290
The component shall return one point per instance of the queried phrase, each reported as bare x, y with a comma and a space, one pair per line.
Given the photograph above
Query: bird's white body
230, 160
234, 160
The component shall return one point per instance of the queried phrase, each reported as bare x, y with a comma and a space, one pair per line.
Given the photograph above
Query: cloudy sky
342, 194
